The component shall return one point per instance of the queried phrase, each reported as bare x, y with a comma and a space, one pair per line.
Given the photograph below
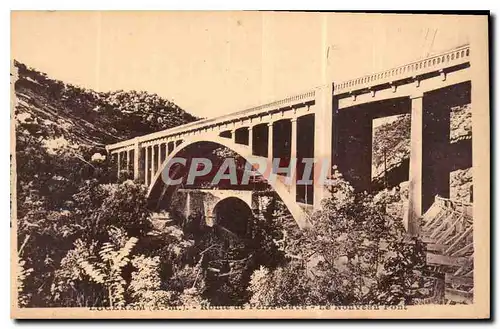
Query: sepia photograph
249, 164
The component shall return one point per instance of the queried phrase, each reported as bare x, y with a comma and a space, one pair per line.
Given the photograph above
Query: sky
214, 63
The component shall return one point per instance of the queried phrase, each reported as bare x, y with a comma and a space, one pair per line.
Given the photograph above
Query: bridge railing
433, 63
439, 62
251, 112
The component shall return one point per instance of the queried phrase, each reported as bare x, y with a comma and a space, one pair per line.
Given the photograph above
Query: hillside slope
391, 148
54, 109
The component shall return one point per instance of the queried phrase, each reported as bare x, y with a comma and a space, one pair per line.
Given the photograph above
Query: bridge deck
387, 79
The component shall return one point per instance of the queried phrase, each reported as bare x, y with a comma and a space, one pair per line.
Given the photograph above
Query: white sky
212, 63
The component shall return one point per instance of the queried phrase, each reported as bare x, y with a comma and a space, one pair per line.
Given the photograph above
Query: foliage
62, 195
355, 253
81, 266
283, 286
66, 203
144, 288
111, 274
222, 258
22, 274
98, 204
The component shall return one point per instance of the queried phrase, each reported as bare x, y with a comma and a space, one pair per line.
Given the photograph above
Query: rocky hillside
57, 110
391, 148
393, 138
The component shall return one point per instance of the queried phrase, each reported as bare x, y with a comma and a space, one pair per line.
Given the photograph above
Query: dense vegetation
356, 253
67, 207
84, 240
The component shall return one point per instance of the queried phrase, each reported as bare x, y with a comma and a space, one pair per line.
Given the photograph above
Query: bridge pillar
170, 148
322, 141
136, 159
153, 163
250, 138
354, 158
129, 156
159, 156
416, 155
293, 158
270, 144
188, 205
118, 164
233, 135
146, 165
430, 151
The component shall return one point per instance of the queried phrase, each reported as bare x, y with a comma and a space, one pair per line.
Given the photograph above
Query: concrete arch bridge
331, 123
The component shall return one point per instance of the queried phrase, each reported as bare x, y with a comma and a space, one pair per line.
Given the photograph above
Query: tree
355, 253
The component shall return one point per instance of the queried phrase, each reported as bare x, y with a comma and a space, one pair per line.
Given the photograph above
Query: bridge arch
157, 188
234, 214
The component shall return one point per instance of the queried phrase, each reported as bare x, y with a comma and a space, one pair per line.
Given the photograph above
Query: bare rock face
391, 149
461, 185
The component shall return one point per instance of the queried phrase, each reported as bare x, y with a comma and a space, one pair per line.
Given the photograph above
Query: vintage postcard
250, 165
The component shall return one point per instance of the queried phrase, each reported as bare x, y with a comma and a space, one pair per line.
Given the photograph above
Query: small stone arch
234, 214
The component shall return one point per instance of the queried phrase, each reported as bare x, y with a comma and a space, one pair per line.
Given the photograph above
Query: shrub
355, 253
